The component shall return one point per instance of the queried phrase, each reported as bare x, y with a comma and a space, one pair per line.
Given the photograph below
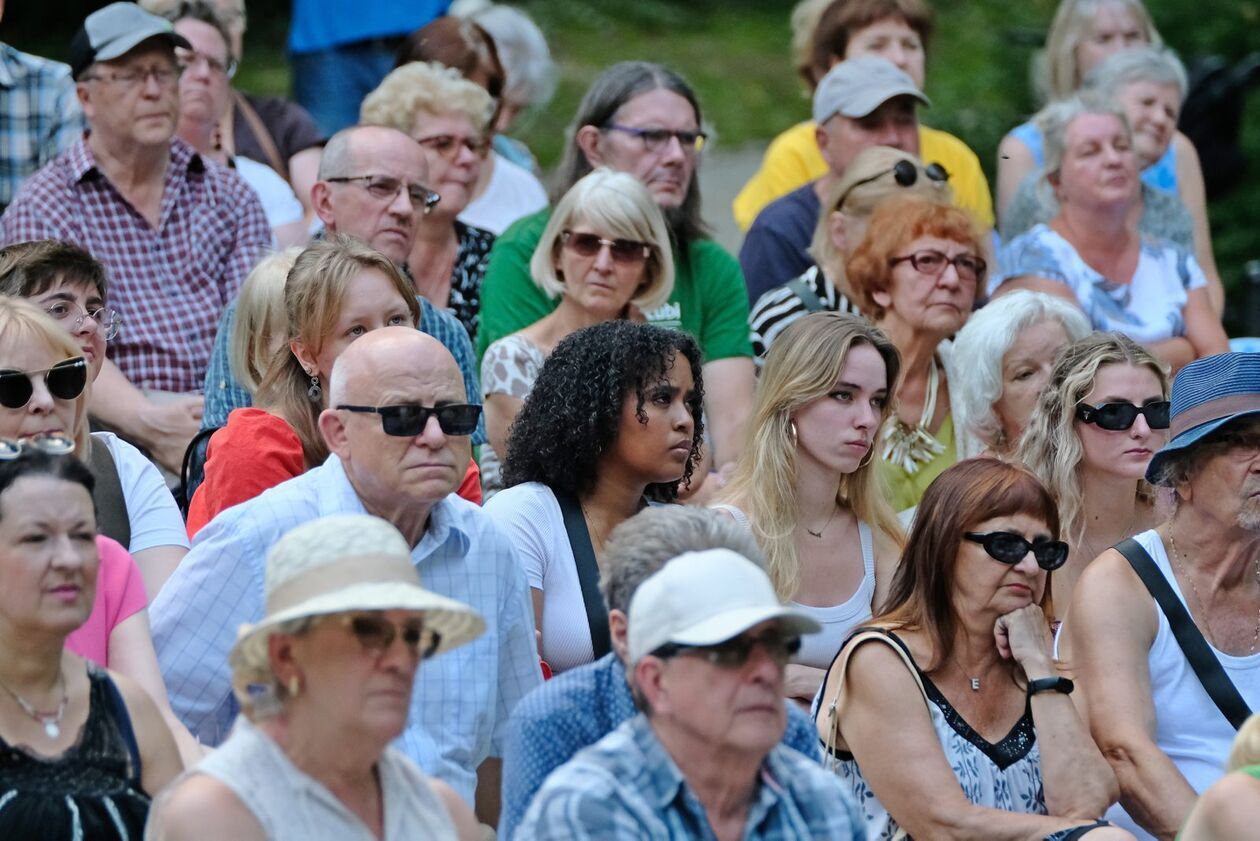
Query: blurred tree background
735, 52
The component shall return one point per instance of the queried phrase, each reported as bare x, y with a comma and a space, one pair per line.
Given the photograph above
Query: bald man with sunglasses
398, 428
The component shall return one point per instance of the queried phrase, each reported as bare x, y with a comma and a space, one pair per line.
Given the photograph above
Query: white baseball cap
705, 598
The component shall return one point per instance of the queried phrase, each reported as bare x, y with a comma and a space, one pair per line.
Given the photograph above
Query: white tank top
818, 650
1188, 726
292, 806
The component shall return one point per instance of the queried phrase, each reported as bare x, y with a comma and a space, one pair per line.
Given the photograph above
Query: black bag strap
806, 293
587, 570
193, 469
1206, 667
112, 517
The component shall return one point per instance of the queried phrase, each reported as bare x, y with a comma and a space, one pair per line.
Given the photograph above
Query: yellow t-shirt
793, 159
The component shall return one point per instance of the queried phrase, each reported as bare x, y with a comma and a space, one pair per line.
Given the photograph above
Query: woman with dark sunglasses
1099, 420
935, 712
605, 254
874, 175
82, 749
613, 422
338, 290
915, 275
325, 681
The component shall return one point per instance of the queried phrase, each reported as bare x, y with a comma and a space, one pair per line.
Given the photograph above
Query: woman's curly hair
572, 416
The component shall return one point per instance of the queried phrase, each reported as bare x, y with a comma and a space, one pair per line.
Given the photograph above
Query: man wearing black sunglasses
708, 642
860, 103
1163, 630
398, 428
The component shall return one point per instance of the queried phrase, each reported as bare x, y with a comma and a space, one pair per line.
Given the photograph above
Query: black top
92, 791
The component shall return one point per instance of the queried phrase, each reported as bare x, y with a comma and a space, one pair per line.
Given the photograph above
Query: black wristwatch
1050, 684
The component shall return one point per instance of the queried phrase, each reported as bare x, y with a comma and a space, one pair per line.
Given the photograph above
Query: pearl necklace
50, 721
1198, 601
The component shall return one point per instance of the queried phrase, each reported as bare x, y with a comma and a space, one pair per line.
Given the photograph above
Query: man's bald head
366, 369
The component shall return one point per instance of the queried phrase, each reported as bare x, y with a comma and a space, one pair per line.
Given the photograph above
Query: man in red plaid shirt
176, 233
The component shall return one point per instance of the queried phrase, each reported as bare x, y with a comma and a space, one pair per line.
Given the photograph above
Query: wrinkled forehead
430, 381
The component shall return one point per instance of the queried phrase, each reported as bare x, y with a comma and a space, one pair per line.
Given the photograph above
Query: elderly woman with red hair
915, 275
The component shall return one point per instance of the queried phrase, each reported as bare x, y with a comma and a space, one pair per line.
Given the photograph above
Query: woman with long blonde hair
805, 484
1099, 419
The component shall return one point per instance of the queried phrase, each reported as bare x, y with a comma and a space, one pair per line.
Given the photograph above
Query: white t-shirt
1149, 308
530, 514
513, 192
151, 510
280, 203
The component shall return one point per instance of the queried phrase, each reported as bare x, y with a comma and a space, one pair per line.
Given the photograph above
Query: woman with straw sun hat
324, 681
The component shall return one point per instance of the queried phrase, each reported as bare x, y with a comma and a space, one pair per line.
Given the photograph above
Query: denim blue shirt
462, 699
224, 392
627, 786
576, 709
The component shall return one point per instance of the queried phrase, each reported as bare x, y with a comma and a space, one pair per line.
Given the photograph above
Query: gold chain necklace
1198, 601
818, 534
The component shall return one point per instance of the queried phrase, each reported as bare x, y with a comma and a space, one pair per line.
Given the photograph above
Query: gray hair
523, 52
1054, 120
257, 689
603, 99
641, 545
979, 350
1139, 64
336, 157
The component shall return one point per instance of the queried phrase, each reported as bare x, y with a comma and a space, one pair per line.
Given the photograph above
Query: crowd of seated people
915, 520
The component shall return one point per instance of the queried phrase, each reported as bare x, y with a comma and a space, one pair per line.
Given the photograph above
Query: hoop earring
314, 393
870, 456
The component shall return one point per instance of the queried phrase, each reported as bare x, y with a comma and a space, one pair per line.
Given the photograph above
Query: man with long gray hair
581, 706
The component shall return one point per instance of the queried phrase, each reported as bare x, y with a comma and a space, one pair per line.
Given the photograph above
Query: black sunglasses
406, 420
734, 653
905, 173
1117, 416
1010, 548
377, 634
65, 381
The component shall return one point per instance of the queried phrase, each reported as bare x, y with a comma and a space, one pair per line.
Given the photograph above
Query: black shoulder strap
113, 521
806, 293
122, 719
588, 572
1206, 667
193, 469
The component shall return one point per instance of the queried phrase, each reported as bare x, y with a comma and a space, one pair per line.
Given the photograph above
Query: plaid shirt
39, 116
170, 284
626, 787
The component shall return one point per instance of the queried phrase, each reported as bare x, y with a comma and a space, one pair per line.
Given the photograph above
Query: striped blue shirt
39, 116
225, 393
627, 787
462, 699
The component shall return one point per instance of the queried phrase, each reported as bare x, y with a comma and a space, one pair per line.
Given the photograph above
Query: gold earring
792, 432
294, 686
870, 455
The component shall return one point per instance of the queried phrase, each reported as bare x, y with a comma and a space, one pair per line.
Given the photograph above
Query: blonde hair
1051, 447
22, 323
1246, 749
1057, 73
618, 205
803, 365
804, 21
860, 203
260, 318
314, 295
425, 86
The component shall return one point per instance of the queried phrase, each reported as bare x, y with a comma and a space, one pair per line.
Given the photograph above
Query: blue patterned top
626, 787
576, 709
1149, 308
40, 117
225, 393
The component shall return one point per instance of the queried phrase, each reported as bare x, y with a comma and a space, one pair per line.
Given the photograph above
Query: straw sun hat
351, 562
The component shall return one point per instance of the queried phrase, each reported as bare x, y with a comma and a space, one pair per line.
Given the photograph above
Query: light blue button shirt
462, 698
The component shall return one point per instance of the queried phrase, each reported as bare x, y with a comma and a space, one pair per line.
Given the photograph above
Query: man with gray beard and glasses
1176, 609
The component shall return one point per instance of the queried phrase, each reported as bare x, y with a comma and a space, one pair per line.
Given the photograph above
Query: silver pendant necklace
50, 721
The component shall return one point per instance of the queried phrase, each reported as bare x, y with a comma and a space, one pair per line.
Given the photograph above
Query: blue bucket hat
1207, 394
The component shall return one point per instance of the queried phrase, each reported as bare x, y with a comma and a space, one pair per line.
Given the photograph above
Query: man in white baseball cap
708, 643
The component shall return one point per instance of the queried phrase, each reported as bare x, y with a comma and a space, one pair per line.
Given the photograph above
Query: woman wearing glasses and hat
947, 714
134, 505
1098, 422
874, 175
324, 682
82, 750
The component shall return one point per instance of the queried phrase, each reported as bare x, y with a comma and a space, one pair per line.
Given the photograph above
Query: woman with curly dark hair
612, 422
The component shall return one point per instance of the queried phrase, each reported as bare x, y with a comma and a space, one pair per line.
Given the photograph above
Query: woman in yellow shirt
836, 30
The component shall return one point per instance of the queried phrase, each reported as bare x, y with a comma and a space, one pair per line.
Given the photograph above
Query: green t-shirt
905, 490
709, 300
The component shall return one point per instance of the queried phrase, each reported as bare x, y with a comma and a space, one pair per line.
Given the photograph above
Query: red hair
897, 222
